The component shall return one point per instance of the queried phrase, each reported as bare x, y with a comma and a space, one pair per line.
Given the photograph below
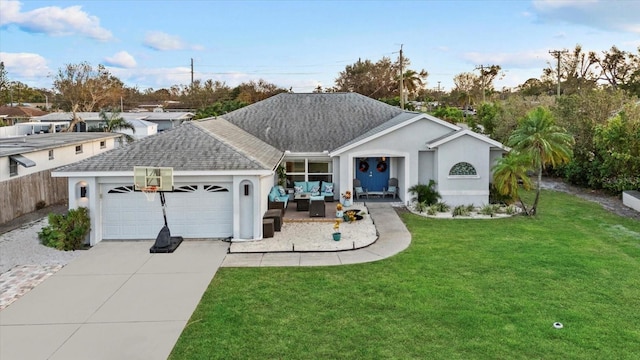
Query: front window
463, 169
51, 154
308, 170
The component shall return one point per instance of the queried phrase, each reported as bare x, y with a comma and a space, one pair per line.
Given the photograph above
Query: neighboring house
12, 115
225, 167
163, 120
26, 163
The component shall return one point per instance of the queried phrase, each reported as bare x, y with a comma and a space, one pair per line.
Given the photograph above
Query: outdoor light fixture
83, 191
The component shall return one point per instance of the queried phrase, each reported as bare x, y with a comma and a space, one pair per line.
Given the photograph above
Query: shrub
66, 232
41, 205
496, 198
421, 206
442, 206
490, 209
425, 193
432, 210
511, 210
461, 210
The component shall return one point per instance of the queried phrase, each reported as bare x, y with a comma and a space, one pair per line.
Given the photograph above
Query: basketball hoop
150, 192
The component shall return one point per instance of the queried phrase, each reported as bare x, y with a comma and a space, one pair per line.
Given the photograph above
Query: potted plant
346, 198
336, 230
282, 176
339, 212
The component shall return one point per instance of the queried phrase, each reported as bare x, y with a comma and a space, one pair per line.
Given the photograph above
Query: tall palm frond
546, 143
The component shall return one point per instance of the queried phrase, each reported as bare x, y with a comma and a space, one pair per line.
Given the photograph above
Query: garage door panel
194, 212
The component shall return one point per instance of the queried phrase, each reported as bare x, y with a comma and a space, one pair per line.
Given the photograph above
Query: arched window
463, 169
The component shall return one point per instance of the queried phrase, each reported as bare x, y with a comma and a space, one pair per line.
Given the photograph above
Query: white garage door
193, 211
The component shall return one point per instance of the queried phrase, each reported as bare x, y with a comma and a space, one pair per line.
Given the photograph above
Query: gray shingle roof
188, 147
312, 122
37, 142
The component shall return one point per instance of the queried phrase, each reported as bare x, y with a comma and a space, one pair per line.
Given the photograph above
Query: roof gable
397, 122
457, 134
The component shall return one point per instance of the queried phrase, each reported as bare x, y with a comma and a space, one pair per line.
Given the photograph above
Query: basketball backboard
159, 178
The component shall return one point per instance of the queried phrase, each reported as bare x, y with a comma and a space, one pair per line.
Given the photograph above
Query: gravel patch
21, 246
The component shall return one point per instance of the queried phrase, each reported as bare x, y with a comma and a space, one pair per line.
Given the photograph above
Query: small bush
496, 198
442, 206
470, 208
490, 209
461, 210
41, 205
66, 232
421, 206
432, 210
426, 193
511, 210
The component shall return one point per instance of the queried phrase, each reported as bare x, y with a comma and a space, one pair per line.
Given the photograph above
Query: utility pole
481, 68
401, 81
191, 71
557, 54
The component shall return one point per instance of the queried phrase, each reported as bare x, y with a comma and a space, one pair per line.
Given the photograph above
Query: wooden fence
19, 196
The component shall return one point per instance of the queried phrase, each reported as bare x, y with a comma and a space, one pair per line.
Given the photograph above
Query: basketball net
150, 192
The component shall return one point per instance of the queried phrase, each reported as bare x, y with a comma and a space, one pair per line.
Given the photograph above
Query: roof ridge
229, 142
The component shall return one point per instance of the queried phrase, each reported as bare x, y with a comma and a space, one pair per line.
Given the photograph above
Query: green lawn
464, 289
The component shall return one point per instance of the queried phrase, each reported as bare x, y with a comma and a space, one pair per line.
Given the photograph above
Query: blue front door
373, 173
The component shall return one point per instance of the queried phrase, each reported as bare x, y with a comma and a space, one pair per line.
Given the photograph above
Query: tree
544, 142
510, 173
4, 88
617, 144
577, 68
414, 82
253, 91
465, 86
83, 88
580, 113
114, 122
374, 80
219, 108
487, 75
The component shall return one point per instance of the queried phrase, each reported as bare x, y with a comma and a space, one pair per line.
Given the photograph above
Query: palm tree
543, 141
509, 173
413, 81
115, 122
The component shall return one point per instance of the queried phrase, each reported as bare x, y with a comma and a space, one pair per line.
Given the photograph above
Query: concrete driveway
117, 301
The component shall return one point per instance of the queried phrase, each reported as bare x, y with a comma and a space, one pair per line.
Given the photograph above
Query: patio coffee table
302, 202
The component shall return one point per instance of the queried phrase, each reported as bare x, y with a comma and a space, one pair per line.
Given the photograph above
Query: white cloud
52, 20
600, 14
121, 59
26, 65
159, 40
519, 60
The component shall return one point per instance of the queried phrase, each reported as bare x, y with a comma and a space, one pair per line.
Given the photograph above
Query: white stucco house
225, 167
146, 123
26, 162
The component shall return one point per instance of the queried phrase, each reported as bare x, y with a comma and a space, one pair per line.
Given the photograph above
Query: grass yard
464, 289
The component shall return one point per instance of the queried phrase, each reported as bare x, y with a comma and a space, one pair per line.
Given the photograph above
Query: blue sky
302, 44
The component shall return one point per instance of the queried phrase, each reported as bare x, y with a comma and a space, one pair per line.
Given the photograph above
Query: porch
302, 233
